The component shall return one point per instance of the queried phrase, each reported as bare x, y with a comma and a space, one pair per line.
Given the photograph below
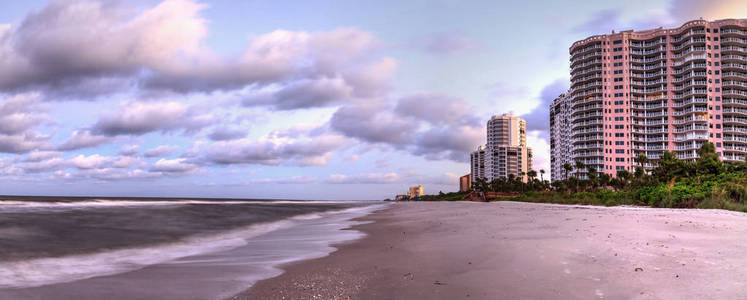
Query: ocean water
168, 249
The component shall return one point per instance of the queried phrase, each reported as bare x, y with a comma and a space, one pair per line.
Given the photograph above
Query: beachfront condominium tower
644, 92
506, 151
560, 136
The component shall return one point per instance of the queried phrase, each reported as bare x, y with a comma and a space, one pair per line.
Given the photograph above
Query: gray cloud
85, 49
83, 139
433, 126
539, 117
305, 93
275, 149
137, 118
161, 151
227, 134
173, 166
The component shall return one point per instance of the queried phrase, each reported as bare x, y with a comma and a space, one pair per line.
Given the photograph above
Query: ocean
161, 249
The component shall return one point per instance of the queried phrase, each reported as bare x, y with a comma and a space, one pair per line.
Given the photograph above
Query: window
619, 167
619, 126
619, 134
718, 144
620, 151
619, 159
617, 42
718, 135
718, 107
718, 98
618, 87
619, 102
619, 119
718, 89
618, 110
617, 57
716, 64
715, 38
618, 79
619, 64
718, 80
617, 72
619, 143
717, 72
715, 47
618, 95
715, 30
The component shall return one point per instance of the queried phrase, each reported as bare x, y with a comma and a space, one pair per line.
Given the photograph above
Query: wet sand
511, 250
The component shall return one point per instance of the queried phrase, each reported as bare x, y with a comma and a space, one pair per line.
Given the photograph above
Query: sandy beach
510, 250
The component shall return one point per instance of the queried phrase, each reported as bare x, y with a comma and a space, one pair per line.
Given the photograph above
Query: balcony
687, 137
689, 111
693, 127
732, 138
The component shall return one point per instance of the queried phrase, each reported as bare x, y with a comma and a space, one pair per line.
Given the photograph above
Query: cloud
227, 134
286, 180
71, 42
372, 122
370, 178
279, 147
436, 109
137, 118
685, 10
160, 151
86, 49
23, 143
129, 150
173, 166
20, 114
83, 139
539, 117
305, 93
433, 126
445, 43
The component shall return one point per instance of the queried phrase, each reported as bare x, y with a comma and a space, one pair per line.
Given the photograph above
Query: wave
44, 271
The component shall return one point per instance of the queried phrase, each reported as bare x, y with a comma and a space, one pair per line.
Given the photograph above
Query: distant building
465, 183
415, 191
506, 151
477, 163
560, 136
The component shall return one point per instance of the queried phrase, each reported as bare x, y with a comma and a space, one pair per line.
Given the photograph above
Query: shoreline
516, 250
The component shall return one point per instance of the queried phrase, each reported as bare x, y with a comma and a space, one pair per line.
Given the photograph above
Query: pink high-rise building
644, 92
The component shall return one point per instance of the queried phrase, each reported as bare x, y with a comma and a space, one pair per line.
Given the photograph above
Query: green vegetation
669, 182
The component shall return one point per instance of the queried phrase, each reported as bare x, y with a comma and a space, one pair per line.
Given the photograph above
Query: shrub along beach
669, 182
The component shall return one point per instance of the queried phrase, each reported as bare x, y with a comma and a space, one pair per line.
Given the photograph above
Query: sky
284, 99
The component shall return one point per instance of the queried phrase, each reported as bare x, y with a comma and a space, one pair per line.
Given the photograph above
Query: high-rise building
560, 137
415, 191
465, 183
506, 151
644, 92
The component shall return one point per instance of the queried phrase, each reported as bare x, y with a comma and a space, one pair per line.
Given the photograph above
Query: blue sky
283, 99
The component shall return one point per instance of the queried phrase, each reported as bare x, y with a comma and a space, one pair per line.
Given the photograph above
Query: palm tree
579, 166
592, 177
542, 175
567, 167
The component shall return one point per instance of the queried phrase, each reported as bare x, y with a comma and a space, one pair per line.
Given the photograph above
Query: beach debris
439, 283
409, 276
639, 269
